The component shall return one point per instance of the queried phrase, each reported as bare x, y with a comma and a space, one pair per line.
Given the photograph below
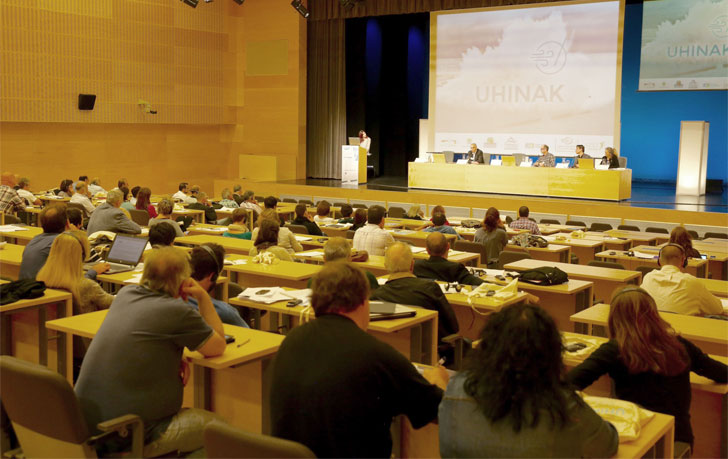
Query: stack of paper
310, 253
301, 238
11, 228
135, 279
269, 295
238, 261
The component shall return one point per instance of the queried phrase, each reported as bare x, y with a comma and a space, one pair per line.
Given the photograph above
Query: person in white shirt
81, 197
181, 195
365, 141
372, 237
323, 209
27, 195
95, 186
249, 202
676, 291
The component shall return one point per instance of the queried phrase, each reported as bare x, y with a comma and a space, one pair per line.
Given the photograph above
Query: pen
244, 342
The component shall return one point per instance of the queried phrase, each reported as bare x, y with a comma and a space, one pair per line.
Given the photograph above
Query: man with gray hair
227, 199
25, 193
249, 202
81, 197
95, 186
338, 249
403, 287
108, 217
135, 363
165, 207
236, 194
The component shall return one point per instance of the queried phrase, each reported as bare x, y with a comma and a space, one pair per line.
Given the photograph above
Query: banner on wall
684, 45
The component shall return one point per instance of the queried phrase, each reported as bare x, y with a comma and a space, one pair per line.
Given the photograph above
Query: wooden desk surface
11, 254
26, 234
579, 271
590, 242
261, 344
206, 229
487, 303
417, 236
714, 240
228, 243
691, 327
641, 236
376, 262
715, 286
622, 255
49, 296
284, 270
550, 227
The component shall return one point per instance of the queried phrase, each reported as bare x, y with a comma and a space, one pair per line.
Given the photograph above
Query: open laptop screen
127, 250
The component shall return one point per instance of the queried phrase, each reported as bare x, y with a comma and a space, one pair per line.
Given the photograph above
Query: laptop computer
438, 158
509, 160
125, 254
585, 163
354, 140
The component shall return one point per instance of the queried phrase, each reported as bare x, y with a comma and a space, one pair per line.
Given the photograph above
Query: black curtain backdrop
387, 83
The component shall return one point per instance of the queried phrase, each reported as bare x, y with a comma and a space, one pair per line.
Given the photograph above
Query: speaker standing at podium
365, 141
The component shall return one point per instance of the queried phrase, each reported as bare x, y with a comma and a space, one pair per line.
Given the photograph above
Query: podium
693, 162
353, 165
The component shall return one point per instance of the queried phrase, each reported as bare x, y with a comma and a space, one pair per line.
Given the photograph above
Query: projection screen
512, 79
684, 45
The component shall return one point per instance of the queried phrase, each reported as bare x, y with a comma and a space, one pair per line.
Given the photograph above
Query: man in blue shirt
206, 262
438, 225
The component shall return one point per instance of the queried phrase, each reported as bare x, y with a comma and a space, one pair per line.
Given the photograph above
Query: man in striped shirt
523, 222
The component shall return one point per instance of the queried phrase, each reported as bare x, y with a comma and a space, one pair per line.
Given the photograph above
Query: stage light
192, 3
239, 2
298, 5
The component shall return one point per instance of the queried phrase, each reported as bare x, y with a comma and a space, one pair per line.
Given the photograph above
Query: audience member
238, 228
182, 195
546, 159
108, 217
610, 157
649, 363
415, 212
143, 202
681, 237
95, 186
227, 199
360, 219
66, 188
162, 234
84, 179
336, 388
267, 240
236, 194
201, 203
304, 219
81, 197
437, 267
286, 238
492, 235
271, 202
438, 210
134, 193
10, 201
249, 202
165, 207
524, 222
373, 237
439, 226
194, 191
511, 399
338, 249
75, 218
64, 270
323, 209
125, 202
346, 212
121, 183
207, 261
53, 221
25, 193
135, 364
676, 291
403, 287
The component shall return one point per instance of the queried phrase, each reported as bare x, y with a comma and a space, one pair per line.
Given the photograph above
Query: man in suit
438, 267
475, 155
202, 203
108, 217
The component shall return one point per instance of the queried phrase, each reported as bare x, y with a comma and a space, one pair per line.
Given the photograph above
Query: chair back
289, 200
693, 234
716, 235
645, 269
298, 229
628, 228
350, 234
622, 162
396, 212
605, 264
508, 256
139, 216
224, 441
308, 202
43, 409
601, 227
575, 223
655, 229
472, 247
550, 221
359, 206
10, 219
339, 204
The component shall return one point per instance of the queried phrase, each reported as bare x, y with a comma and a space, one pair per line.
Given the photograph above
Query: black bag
545, 275
537, 241
21, 290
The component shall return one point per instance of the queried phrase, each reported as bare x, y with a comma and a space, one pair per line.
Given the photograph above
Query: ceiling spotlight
298, 5
192, 3
239, 2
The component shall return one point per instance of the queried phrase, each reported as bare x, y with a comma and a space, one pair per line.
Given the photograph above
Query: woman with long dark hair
143, 202
492, 235
649, 363
267, 240
681, 237
66, 188
511, 400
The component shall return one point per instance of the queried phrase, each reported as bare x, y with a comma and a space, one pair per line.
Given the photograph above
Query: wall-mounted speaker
86, 101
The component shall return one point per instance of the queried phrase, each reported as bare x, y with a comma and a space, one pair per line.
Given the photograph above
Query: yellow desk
11, 255
414, 337
407, 223
586, 249
334, 230
112, 283
610, 185
716, 287
711, 335
416, 238
24, 333
554, 252
282, 274
643, 237
606, 280
715, 254
206, 229
697, 268
21, 237
45, 200
216, 383
708, 408
197, 215
230, 244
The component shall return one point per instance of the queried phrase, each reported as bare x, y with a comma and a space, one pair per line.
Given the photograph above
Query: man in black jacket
304, 219
438, 267
203, 204
475, 155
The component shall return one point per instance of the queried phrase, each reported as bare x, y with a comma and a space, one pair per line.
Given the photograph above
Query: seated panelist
475, 155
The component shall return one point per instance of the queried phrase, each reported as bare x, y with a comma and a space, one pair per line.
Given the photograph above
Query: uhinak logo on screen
519, 93
719, 26
550, 57
705, 50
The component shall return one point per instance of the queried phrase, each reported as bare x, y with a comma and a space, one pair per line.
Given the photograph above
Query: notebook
384, 310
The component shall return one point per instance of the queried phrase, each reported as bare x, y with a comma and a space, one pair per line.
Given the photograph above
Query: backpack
545, 275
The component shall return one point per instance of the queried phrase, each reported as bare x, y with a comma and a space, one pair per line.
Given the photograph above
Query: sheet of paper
724, 301
310, 253
238, 261
266, 295
419, 250
135, 279
644, 255
303, 238
12, 228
